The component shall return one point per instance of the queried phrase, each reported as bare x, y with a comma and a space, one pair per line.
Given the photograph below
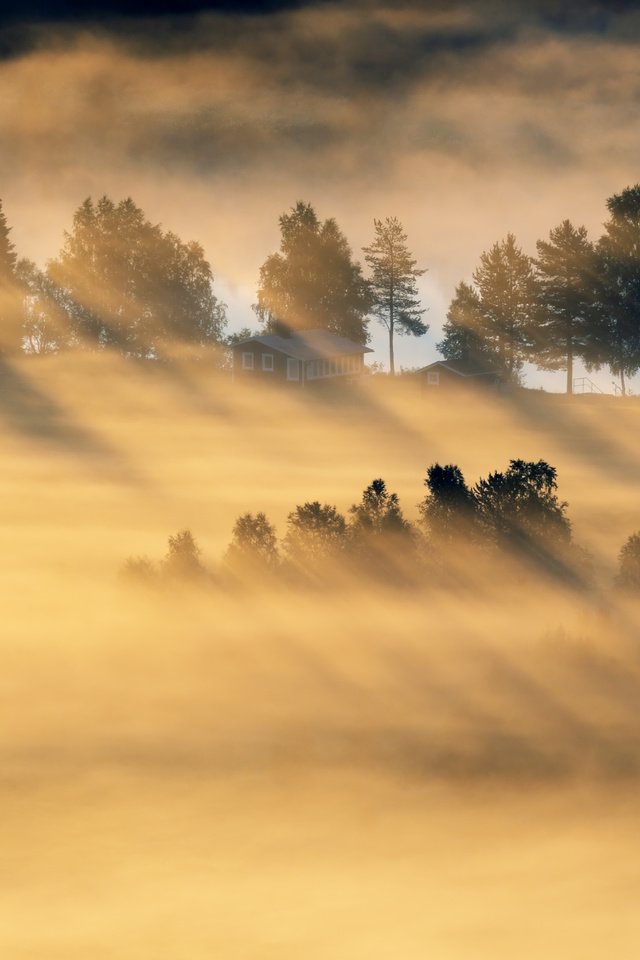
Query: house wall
314, 370
279, 371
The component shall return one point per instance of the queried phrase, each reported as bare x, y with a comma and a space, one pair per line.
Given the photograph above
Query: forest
512, 516
123, 283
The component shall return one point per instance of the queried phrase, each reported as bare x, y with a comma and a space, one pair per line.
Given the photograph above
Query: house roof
463, 368
309, 344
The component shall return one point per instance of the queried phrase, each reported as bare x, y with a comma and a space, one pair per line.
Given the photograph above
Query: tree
566, 278
132, 287
506, 288
316, 534
10, 293
254, 545
313, 282
393, 283
45, 327
629, 564
615, 334
182, 561
520, 509
448, 511
378, 512
463, 337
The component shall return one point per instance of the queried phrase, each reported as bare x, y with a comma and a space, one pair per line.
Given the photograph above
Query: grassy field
368, 774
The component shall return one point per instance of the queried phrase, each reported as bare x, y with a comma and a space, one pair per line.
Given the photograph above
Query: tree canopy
313, 281
129, 286
615, 339
462, 332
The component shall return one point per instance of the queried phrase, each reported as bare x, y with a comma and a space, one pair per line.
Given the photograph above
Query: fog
361, 771
445, 766
465, 121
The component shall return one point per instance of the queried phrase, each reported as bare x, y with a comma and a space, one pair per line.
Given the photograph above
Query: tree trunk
392, 367
569, 366
623, 385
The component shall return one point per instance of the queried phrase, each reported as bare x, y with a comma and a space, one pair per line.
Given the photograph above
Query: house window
433, 378
247, 361
293, 369
267, 361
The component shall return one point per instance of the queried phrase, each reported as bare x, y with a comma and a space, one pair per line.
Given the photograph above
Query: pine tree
565, 272
396, 303
506, 288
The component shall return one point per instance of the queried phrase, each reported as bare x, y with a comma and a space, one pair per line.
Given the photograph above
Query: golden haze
360, 774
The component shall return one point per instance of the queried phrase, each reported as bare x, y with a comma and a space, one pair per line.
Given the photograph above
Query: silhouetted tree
463, 330
132, 287
254, 545
313, 282
448, 512
396, 303
629, 564
615, 334
381, 541
10, 293
566, 277
378, 512
182, 561
507, 293
520, 508
316, 534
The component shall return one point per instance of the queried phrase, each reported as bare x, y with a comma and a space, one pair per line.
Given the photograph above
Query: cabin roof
309, 344
462, 368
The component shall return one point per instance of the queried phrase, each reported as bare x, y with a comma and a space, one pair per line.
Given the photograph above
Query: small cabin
454, 373
300, 357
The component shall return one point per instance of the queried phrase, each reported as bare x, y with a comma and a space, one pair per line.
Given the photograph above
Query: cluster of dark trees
574, 300
515, 512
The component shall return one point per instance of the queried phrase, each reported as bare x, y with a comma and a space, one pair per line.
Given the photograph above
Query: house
453, 373
301, 357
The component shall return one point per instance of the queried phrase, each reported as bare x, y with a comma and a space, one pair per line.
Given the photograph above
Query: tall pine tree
394, 271
565, 272
506, 288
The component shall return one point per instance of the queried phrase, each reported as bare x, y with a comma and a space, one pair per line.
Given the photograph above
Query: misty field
363, 773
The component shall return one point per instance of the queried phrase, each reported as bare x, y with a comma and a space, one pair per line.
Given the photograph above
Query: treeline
574, 300
124, 283
513, 515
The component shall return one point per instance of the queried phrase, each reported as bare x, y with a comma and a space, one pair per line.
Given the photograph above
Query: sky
466, 120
